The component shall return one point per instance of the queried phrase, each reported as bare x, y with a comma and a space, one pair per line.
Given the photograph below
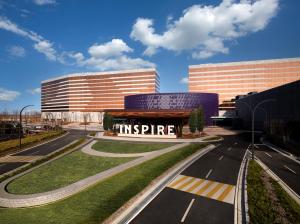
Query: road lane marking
229, 148
290, 169
235, 143
209, 172
221, 158
268, 154
187, 210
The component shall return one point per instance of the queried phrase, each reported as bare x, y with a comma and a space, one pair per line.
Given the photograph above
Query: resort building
239, 78
166, 108
84, 96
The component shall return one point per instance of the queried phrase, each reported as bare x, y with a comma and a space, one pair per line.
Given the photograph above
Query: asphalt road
285, 168
42, 150
221, 165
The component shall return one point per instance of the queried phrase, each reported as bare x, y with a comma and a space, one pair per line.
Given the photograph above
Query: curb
275, 148
240, 192
136, 207
288, 190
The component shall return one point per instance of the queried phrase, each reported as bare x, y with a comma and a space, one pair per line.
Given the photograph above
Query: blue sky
41, 39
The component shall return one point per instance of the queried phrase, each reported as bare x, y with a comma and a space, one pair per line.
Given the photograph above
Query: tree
193, 121
200, 118
107, 122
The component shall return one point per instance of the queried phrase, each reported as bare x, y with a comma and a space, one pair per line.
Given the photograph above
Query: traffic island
98, 202
267, 201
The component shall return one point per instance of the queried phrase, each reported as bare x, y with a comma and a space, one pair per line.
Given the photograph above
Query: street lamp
253, 118
20, 136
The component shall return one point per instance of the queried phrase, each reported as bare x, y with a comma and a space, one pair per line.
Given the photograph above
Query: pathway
17, 201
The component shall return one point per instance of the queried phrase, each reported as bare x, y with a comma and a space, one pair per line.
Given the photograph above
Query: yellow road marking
205, 188
225, 193
214, 190
195, 185
185, 184
178, 181
209, 183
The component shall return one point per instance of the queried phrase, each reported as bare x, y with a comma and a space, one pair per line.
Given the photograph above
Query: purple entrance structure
175, 101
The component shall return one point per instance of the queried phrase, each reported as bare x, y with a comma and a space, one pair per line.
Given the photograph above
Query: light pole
20, 135
253, 119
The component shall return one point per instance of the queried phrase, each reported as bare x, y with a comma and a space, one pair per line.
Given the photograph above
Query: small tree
200, 118
107, 122
193, 121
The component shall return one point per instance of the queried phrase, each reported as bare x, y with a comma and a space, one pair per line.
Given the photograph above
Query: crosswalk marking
205, 188
186, 183
195, 185
178, 181
225, 193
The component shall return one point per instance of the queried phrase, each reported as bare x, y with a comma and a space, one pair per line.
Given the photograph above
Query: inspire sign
157, 131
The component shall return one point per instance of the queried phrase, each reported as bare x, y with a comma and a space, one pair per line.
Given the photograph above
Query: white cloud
16, 51
116, 47
105, 56
8, 95
110, 55
34, 91
40, 44
205, 30
184, 80
45, 47
44, 2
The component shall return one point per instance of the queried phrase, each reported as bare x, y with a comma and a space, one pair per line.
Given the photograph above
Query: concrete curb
247, 218
288, 190
100, 135
238, 198
90, 151
18, 201
139, 204
275, 148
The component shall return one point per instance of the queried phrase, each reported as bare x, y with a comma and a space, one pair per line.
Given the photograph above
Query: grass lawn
128, 147
29, 140
100, 201
62, 172
262, 208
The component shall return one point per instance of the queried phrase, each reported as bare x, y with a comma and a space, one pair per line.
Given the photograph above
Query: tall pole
253, 113
20, 125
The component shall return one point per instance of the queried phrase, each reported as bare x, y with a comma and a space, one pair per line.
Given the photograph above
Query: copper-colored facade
90, 92
239, 78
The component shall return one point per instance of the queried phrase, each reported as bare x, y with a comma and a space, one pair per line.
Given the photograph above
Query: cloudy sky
41, 39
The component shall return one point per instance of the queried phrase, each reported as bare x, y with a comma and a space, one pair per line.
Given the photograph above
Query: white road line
221, 158
290, 169
268, 154
235, 143
187, 210
209, 172
229, 148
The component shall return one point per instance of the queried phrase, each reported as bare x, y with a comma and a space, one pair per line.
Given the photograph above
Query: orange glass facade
95, 92
239, 78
